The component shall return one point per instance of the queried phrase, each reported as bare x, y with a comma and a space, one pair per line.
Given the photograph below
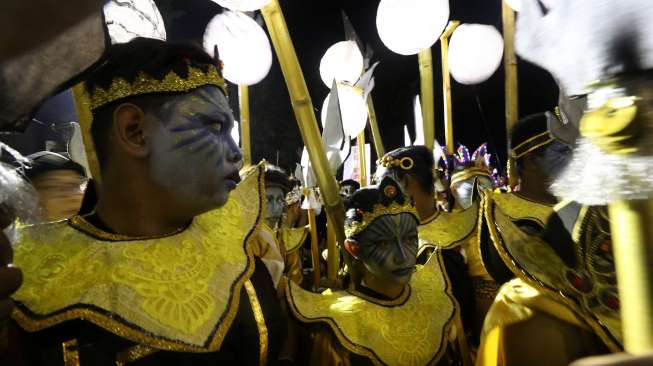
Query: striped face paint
388, 247
193, 152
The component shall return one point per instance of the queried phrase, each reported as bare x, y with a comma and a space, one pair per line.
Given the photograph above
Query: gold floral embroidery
179, 292
448, 229
413, 333
519, 208
134, 353
293, 238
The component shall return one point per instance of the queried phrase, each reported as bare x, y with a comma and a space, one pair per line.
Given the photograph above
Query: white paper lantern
549, 4
128, 19
407, 27
343, 62
353, 109
514, 4
242, 5
475, 53
243, 47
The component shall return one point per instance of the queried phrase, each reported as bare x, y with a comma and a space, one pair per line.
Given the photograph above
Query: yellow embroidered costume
413, 329
564, 304
290, 242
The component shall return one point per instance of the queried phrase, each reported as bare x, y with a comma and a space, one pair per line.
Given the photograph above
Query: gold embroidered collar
536, 263
520, 208
293, 238
412, 333
179, 292
448, 229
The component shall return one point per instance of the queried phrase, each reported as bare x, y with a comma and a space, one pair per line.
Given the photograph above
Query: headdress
368, 204
477, 164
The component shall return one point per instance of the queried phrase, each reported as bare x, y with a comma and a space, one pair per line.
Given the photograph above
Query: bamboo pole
632, 234
374, 127
245, 139
305, 116
446, 85
427, 97
362, 162
332, 271
510, 66
315, 251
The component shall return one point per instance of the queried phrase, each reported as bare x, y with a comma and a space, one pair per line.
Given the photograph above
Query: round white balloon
343, 62
549, 4
353, 109
514, 4
407, 27
242, 5
128, 19
475, 53
243, 47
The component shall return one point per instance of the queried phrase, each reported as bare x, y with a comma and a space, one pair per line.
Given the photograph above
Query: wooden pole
315, 251
305, 116
374, 127
425, 60
446, 85
245, 141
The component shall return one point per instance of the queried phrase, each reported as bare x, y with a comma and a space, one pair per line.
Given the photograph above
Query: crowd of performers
175, 254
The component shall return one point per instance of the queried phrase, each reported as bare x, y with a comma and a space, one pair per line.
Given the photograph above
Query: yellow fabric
290, 241
448, 229
519, 208
178, 292
537, 264
265, 246
412, 332
527, 327
326, 350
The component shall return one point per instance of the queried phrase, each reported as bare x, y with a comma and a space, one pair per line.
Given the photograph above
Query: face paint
275, 204
388, 247
193, 152
382, 172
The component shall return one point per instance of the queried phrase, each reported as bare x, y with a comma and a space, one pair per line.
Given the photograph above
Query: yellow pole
243, 99
315, 251
446, 85
85, 117
332, 271
305, 116
374, 126
362, 163
632, 234
510, 66
426, 95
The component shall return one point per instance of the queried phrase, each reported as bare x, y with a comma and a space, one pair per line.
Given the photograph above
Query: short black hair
423, 165
152, 57
351, 183
275, 176
46, 161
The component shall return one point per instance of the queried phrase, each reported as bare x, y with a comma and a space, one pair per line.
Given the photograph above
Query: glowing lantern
343, 62
407, 27
353, 109
235, 132
514, 4
475, 52
128, 19
242, 5
243, 47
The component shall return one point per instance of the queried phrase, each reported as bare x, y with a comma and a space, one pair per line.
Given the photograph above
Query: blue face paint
193, 152
388, 247
275, 203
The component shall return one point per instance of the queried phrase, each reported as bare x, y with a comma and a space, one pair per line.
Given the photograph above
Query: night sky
314, 26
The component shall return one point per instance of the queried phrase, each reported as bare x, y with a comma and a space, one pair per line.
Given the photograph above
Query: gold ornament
356, 227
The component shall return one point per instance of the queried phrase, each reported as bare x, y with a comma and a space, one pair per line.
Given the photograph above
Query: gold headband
356, 227
405, 163
531, 144
145, 84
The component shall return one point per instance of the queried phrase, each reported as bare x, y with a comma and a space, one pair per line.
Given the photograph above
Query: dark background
478, 111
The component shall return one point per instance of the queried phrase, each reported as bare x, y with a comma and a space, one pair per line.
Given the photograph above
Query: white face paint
275, 203
193, 153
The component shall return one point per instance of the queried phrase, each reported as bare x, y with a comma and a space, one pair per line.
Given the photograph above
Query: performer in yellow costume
161, 271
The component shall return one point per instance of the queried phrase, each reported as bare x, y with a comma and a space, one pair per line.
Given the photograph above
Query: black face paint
389, 247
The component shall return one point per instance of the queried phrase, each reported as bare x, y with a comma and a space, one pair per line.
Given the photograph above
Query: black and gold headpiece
368, 204
530, 134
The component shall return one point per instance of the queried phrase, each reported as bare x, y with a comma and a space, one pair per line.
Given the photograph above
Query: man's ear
352, 247
129, 123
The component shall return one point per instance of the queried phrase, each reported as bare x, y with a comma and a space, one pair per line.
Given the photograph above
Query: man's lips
233, 178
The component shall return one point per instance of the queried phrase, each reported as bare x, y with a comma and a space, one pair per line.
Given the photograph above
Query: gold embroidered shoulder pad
449, 229
410, 331
179, 292
589, 289
519, 208
293, 238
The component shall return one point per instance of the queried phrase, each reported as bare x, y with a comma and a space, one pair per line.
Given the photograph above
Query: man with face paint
390, 313
469, 254
289, 239
162, 270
